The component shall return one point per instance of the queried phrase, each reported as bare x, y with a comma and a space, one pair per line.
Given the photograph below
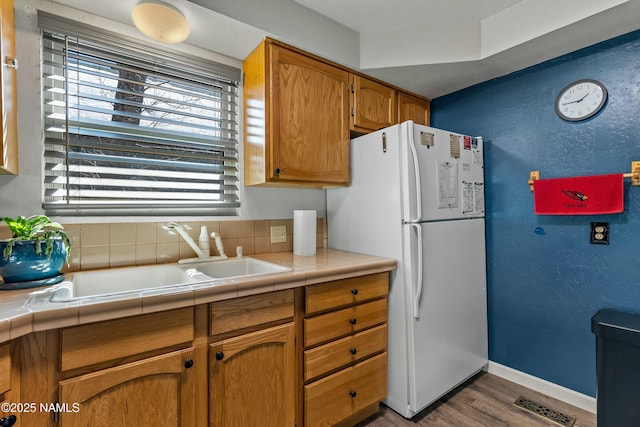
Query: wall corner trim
556, 391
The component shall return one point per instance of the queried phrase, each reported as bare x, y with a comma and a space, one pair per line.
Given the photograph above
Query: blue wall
545, 280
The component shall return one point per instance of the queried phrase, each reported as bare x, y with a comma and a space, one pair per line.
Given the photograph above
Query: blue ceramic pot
26, 265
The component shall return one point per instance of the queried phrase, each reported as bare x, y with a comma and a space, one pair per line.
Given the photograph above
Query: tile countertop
30, 310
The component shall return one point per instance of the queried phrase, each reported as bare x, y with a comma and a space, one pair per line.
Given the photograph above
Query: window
133, 130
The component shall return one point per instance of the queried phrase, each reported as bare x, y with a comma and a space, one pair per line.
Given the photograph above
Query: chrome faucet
200, 251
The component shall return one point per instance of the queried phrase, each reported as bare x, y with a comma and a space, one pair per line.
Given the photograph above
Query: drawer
339, 293
336, 397
240, 313
114, 339
337, 324
338, 354
5, 368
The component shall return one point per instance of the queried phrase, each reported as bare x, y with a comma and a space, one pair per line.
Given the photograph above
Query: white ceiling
431, 47
367, 16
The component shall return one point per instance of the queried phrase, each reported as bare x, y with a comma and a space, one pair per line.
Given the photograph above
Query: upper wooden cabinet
300, 109
413, 108
373, 105
8, 91
296, 119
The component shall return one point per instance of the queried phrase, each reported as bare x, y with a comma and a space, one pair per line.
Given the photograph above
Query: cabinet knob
8, 421
353, 320
353, 351
219, 355
188, 363
352, 393
277, 171
354, 291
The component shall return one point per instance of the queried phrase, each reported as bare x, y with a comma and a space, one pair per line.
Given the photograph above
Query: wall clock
580, 100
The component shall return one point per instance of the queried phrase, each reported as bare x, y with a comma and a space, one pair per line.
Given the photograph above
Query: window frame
184, 63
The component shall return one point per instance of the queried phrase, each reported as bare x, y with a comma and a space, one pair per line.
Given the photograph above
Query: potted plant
36, 251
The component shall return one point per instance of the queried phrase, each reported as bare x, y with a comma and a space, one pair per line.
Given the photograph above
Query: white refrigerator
417, 195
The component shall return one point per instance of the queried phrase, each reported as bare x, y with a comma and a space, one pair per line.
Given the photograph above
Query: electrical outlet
600, 233
278, 233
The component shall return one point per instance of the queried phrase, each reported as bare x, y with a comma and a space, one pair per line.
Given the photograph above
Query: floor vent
545, 412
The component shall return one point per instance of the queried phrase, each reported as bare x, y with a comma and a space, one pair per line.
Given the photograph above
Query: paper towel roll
304, 232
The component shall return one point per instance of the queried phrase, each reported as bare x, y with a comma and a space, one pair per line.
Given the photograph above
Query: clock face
581, 100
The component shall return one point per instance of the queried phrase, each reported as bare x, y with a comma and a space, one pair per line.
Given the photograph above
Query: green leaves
38, 228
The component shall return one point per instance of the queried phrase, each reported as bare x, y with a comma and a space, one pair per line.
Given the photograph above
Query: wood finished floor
484, 401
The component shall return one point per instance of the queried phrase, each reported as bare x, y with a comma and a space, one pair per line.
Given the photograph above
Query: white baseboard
564, 394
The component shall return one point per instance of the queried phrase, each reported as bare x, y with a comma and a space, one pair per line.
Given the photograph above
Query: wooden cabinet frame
301, 110
178, 366
8, 91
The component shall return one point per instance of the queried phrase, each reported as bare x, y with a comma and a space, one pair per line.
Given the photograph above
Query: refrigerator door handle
417, 178
416, 301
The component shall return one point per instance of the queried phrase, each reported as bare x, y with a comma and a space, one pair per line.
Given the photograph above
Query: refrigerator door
444, 170
365, 217
448, 339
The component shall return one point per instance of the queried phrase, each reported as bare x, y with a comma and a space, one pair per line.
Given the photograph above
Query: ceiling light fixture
160, 21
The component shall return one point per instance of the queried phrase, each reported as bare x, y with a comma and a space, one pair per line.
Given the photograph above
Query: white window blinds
130, 132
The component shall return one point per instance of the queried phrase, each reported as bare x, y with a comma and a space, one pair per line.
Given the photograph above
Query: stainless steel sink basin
238, 267
106, 282
86, 284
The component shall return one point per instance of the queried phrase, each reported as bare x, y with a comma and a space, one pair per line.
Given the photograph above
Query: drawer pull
219, 355
352, 393
353, 351
354, 291
353, 320
188, 363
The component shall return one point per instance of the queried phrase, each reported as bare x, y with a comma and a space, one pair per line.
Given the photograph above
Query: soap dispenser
203, 240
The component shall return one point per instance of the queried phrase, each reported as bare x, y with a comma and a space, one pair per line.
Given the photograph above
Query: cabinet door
309, 119
413, 108
8, 91
252, 379
5, 369
158, 391
373, 105
5, 382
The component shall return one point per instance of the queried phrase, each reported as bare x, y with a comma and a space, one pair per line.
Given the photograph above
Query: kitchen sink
107, 282
238, 267
86, 284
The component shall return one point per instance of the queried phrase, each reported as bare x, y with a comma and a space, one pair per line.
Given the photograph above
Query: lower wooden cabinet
345, 350
158, 391
5, 369
252, 379
333, 399
314, 356
6, 417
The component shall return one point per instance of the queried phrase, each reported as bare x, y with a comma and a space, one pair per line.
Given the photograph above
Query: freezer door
365, 216
442, 174
449, 336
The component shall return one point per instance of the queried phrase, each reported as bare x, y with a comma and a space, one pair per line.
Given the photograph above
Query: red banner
582, 195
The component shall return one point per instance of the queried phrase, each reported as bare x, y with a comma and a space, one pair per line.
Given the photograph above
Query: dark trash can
617, 367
